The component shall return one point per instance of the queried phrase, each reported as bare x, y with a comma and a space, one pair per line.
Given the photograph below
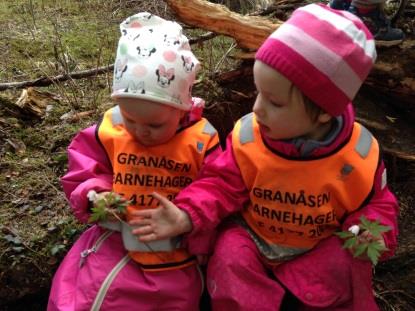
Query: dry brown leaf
35, 102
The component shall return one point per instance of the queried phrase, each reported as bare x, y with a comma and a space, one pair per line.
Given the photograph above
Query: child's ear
324, 117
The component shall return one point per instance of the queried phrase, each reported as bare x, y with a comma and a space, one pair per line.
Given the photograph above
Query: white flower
92, 195
354, 229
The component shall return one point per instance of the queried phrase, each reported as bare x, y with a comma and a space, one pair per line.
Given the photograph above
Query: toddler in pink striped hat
325, 54
296, 170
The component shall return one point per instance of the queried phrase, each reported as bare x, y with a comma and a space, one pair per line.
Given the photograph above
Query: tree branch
45, 81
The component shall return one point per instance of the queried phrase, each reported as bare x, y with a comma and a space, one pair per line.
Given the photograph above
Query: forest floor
47, 38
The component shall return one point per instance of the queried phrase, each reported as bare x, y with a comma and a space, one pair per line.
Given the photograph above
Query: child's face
148, 122
280, 109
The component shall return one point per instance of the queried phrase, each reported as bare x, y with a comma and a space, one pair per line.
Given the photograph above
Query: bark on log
393, 74
248, 31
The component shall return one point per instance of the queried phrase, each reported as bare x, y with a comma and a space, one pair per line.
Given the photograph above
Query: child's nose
257, 108
142, 131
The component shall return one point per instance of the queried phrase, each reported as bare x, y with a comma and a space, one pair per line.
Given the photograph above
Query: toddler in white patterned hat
154, 70
153, 140
154, 62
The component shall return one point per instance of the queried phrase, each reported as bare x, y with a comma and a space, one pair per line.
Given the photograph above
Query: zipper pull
85, 253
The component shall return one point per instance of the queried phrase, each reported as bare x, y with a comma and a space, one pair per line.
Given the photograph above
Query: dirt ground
37, 227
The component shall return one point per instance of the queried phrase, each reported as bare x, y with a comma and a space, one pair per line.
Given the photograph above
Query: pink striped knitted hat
326, 53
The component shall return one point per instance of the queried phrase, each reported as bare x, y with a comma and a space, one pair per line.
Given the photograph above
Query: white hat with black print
154, 62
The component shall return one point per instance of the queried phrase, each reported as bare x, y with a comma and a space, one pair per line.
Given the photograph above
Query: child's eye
155, 126
275, 104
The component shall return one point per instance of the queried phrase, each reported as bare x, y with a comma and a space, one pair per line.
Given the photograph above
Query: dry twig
45, 81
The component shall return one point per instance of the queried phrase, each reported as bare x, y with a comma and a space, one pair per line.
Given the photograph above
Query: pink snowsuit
97, 273
324, 278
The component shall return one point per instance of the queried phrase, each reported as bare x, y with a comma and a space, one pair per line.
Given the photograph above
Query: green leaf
376, 231
374, 227
378, 246
109, 198
365, 223
99, 213
350, 243
344, 234
373, 254
360, 249
101, 204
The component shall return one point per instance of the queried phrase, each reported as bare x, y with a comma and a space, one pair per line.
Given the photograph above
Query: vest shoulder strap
116, 117
364, 142
246, 131
209, 129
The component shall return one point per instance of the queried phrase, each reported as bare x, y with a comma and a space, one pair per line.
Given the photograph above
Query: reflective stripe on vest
247, 131
166, 169
209, 129
131, 243
364, 142
294, 203
116, 116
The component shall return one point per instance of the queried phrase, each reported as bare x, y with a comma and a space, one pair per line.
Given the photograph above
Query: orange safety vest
294, 203
167, 168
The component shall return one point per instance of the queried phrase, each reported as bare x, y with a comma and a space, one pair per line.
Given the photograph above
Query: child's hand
365, 240
165, 221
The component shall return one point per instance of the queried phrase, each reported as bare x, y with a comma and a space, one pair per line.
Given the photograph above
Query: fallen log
248, 31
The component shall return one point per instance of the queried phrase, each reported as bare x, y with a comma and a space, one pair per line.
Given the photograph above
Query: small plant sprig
105, 206
367, 241
110, 205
